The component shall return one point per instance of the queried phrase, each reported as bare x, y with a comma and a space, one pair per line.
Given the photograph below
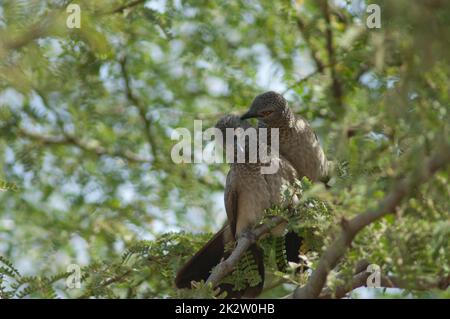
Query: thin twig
307, 38
303, 79
360, 280
88, 147
129, 5
243, 243
141, 109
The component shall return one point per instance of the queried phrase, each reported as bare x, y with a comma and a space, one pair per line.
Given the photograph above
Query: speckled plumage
248, 192
297, 141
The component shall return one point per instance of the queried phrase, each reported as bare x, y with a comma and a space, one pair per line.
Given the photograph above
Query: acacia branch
303, 79
38, 30
313, 50
421, 284
141, 108
89, 147
243, 243
350, 229
34, 32
336, 83
72, 139
360, 280
129, 5
107, 282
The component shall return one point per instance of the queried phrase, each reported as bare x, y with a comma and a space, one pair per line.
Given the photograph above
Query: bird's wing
287, 171
231, 200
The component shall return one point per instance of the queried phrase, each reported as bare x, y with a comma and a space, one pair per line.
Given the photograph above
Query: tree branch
360, 280
306, 37
336, 83
303, 79
141, 108
89, 147
112, 280
129, 5
350, 229
35, 31
421, 284
243, 243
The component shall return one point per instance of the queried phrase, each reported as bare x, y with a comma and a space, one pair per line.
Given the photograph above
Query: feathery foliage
86, 116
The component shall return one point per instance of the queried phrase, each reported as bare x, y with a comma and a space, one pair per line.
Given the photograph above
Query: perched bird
297, 141
248, 193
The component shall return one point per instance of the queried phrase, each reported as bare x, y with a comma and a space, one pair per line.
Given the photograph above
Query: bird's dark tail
199, 266
291, 244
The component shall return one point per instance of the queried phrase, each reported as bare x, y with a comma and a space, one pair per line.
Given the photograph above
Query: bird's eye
266, 113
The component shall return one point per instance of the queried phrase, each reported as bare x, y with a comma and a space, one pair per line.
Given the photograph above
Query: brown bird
248, 193
297, 141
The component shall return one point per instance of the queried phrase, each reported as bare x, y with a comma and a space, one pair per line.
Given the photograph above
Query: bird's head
240, 140
269, 107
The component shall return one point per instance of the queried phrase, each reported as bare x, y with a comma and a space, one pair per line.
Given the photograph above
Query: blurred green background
86, 116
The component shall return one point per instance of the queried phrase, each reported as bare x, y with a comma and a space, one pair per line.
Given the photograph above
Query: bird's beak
249, 115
